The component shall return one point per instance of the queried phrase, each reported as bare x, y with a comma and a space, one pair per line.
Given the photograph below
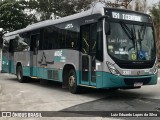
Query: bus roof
98, 8
95, 10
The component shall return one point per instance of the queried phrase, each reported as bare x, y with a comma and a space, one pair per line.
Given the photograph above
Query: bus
101, 48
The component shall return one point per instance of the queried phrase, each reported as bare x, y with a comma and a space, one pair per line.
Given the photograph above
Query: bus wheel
20, 76
72, 82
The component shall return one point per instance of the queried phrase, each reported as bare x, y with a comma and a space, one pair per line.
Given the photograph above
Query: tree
12, 15
155, 12
47, 8
139, 5
43, 8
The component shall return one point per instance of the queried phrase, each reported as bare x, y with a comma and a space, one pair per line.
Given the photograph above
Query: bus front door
33, 55
88, 47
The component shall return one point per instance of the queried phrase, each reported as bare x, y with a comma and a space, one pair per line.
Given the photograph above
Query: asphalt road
33, 96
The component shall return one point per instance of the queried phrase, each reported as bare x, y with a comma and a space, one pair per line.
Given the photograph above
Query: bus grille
131, 81
134, 66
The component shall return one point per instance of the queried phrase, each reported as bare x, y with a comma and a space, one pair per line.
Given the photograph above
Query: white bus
99, 48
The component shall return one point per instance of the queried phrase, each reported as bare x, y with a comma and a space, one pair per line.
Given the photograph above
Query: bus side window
85, 34
24, 42
11, 45
93, 41
72, 38
61, 38
48, 38
99, 53
5, 46
34, 42
67, 37
16, 45
41, 40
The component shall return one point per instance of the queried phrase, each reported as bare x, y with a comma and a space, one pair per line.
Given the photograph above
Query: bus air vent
53, 74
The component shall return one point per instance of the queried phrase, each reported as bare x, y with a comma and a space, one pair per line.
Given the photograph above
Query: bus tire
72, 82
20, 76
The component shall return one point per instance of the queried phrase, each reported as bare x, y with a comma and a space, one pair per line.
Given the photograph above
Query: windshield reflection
131, 42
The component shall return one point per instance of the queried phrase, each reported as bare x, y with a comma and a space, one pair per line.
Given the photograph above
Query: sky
151, 2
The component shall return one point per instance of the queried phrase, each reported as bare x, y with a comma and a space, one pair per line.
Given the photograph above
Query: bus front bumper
114, 81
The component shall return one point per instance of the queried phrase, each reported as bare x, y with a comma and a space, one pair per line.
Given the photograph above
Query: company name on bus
123, 16
69, 26
58, 53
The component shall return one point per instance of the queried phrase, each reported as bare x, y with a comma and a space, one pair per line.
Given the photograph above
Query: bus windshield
131, 42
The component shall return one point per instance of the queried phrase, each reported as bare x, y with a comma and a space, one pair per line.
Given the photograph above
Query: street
33, 96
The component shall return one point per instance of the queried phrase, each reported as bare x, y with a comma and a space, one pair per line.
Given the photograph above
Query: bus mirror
107, 28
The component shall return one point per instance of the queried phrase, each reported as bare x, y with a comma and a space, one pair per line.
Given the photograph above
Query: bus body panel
5, 62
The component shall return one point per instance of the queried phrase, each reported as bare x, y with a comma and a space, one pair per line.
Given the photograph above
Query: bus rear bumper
114, 81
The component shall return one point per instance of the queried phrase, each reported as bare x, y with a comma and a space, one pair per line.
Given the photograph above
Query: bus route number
115, 15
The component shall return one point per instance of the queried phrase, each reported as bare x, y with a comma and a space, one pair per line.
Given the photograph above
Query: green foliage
141, 5
12, 15
155, 12
61, 8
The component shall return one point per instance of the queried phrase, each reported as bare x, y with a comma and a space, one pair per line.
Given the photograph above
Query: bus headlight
155, 69
112, 69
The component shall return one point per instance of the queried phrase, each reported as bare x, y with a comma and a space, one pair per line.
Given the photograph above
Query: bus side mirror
107, 28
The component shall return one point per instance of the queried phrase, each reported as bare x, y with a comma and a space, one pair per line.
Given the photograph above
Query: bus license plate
138, 84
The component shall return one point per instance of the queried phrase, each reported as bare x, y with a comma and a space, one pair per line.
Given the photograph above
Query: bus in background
99, 48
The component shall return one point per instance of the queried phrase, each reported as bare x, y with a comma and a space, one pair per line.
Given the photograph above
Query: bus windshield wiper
129, 32
142, 32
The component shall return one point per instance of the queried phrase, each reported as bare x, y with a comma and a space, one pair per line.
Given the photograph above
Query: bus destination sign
128, 15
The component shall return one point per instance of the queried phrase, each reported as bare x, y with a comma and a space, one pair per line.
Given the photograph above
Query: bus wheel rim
19, 75
72, 81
